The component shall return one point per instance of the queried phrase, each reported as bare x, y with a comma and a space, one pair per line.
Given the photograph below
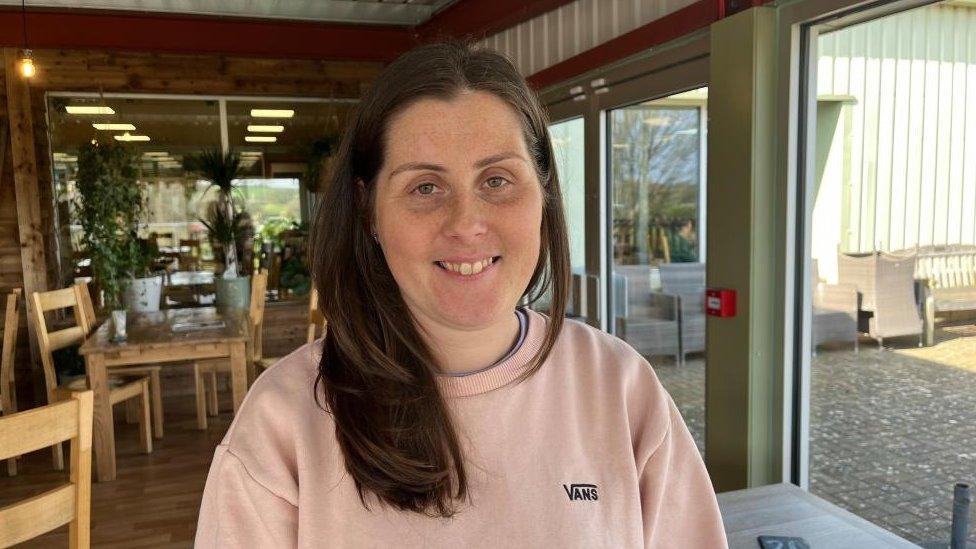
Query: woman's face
459, 210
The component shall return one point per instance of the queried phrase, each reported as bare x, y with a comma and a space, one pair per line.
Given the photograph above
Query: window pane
658, 275
893, 278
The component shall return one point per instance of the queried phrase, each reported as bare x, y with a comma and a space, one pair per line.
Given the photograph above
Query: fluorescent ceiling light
272, 113
119, 127
82, 109
260, 138
268, 129
251, 153
66, 159
156, 154
129, 137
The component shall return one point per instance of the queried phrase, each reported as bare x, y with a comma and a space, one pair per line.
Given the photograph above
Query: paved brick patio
891, 430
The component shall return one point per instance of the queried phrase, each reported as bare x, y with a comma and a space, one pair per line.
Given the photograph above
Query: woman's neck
463, 351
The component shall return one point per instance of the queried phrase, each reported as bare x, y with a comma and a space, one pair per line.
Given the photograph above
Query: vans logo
581, 492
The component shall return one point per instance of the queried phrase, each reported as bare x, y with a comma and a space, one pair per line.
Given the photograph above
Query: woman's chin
478, 314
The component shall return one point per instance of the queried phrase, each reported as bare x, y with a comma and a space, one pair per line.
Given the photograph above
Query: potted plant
110, 205
225, 220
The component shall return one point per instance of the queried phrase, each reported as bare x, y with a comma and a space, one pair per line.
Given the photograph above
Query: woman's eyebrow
438, 168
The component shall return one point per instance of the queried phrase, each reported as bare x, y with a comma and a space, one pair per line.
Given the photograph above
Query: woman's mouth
465, 269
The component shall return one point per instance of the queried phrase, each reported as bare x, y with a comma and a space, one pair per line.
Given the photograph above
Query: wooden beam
30, 232
113, 30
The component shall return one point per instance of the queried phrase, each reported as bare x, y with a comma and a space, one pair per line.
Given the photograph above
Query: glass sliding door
567, 142
890, 249
655, 160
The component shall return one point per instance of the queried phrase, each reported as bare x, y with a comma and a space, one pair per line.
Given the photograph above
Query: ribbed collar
502, 373
492, 378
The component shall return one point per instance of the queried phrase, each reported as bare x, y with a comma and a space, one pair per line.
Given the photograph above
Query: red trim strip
198, 34
480, 18
674, 25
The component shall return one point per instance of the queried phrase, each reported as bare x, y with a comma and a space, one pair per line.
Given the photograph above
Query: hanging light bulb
27, 64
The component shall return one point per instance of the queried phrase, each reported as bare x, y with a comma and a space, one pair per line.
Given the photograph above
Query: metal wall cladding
902, 160
574, 28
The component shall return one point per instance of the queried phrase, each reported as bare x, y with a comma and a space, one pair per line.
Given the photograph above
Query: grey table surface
787, 510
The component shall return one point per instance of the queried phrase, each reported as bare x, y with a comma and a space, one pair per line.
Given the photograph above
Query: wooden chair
207, 370
152, 372
316, 326
316, 321
8, 392
190, 261
69, 503
120, 390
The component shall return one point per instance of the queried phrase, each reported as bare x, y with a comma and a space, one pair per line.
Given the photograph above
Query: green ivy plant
110, 205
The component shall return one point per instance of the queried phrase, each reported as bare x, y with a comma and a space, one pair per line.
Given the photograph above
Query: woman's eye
496, 182
425, 188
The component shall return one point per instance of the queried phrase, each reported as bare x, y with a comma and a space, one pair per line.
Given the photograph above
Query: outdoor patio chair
646, 320
886, 283
686, 281
834, 311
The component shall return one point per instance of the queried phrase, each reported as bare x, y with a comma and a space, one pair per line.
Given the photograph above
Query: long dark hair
376, 373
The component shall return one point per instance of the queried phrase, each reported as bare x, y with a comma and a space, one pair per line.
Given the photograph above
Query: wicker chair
646, 320
886, 283
686, 281
834, 311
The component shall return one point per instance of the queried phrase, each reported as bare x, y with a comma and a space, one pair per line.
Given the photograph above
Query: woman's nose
467, 217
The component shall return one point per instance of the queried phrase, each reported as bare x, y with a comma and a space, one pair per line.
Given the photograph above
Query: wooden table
151, 340
787, 510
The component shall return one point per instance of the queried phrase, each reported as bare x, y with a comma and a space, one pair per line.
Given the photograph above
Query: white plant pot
143, 294
118, 325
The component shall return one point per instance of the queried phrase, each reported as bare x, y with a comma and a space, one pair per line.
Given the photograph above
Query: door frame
672, 68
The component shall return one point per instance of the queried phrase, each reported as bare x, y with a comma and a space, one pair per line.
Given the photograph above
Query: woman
436, 411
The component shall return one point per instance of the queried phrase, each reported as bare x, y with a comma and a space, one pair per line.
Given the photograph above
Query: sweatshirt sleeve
678, 501
238, 511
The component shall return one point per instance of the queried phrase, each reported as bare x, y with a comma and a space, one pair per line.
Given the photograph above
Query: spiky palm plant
220, 170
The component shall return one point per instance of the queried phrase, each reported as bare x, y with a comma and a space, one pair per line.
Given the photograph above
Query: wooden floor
156, 498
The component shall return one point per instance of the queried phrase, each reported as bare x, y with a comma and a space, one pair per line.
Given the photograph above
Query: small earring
375, 236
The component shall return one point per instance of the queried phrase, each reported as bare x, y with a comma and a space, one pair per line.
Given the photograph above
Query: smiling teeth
467, 268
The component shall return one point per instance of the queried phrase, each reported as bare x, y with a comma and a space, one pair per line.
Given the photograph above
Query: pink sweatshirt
588, 452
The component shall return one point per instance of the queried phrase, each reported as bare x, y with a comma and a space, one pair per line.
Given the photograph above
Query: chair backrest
193, 244
859, 270
316, 320
259, 287
68, 503
688, 281
86, 305
190, 261
48, 342
895, 280
683, 278
11, 324
950, 266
